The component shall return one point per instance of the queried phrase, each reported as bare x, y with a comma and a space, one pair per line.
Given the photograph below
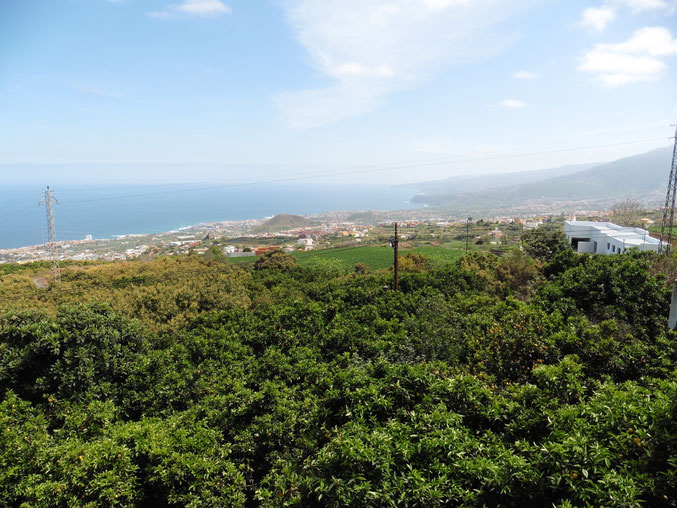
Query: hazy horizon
177, 173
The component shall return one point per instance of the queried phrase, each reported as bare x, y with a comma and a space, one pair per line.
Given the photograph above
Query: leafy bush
86, 350
276, 259
544, 243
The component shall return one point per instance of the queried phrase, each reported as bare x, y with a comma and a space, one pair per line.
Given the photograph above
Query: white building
607, 238
306, 242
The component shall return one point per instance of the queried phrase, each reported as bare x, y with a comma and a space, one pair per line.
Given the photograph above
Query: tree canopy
486, 382
544, 243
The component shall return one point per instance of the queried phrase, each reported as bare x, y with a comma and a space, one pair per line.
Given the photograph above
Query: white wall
586, 247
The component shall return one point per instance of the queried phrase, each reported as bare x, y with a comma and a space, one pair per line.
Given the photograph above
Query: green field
437, 256
375, 257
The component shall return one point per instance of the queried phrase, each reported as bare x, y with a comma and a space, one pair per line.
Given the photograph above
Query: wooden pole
396, 249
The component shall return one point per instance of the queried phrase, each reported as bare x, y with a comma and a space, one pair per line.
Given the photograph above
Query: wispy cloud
90, 89
368, 49
597, 18
198, 8
640, 58
643, 5
526, 75
513, 104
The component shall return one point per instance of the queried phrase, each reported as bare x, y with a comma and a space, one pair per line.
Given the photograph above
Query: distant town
293, 233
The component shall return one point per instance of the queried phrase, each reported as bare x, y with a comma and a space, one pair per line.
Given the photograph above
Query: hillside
642, 176
471, 183
284, 221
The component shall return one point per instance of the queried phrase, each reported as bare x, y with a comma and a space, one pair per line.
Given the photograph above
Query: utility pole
644, 244
51, 231
394, 243
467, 229
668, 219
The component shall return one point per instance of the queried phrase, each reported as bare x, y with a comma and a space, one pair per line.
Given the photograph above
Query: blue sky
343, 90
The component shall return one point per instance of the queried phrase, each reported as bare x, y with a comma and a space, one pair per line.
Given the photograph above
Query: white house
306, 242
607, 238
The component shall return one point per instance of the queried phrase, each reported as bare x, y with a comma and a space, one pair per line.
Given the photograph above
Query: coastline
107, 210
121, 247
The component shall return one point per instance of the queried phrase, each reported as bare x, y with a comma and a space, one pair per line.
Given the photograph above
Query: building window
613, 248
608, 246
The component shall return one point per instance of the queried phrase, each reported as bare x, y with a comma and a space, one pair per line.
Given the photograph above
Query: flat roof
630, 235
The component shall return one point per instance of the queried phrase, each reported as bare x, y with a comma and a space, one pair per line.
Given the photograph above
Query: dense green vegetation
485, 381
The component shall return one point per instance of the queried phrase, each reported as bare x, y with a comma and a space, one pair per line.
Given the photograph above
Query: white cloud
525, 75
640, 58
642, 5
440, 5
365, 50
597, 18
513, 104
653, 40
354, 69
200, 8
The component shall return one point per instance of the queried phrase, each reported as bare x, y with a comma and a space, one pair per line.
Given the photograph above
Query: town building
607, 237
496, 236
531, 224
307, 243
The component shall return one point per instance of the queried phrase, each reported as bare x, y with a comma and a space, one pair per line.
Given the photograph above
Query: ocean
105, 211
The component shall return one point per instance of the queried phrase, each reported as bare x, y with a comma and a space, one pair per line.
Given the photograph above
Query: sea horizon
107, 211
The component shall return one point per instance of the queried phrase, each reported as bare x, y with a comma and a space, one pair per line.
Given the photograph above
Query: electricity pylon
51, 232
668, 218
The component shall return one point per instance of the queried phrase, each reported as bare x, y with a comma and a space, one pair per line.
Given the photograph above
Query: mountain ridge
643, 176
469, 182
